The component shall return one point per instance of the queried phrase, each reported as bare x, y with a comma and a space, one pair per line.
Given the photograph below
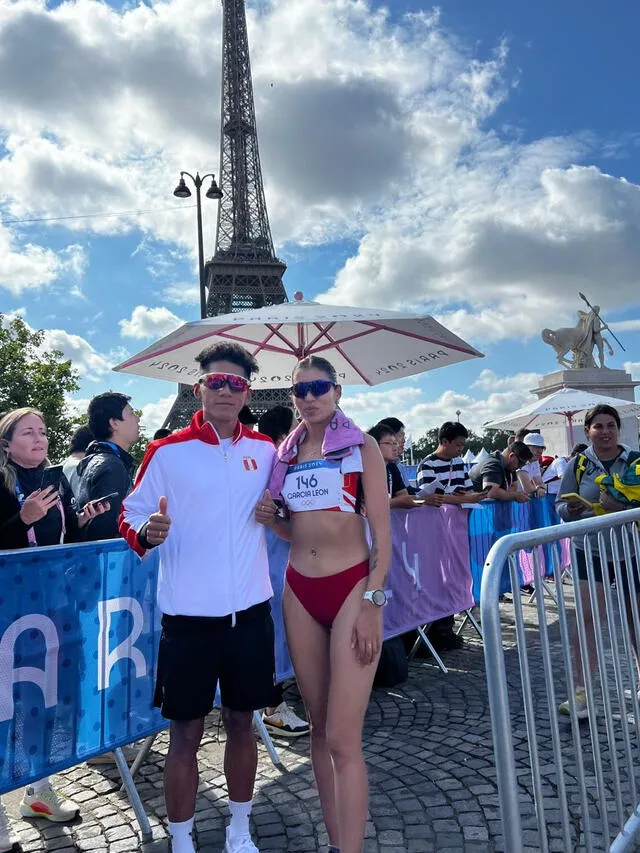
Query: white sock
239, 817
40, 784
181, 839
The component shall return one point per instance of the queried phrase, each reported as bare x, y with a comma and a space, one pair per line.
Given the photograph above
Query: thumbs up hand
158, 525
266, 510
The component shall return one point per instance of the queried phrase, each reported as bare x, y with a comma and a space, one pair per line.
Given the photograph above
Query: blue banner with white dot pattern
78, 639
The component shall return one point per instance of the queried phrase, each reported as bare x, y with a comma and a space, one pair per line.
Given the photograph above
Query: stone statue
580, 340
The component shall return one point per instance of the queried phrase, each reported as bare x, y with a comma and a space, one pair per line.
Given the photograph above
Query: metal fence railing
568, 777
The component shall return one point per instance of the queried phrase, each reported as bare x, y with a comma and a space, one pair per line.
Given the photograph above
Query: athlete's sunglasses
216, 381
317, 387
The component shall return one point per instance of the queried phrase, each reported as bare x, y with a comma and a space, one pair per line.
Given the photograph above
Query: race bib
313, 485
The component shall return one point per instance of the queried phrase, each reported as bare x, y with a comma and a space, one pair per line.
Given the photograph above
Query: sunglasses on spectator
216, 381
316, 387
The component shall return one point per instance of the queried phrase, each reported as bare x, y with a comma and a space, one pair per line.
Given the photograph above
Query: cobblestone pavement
432, 780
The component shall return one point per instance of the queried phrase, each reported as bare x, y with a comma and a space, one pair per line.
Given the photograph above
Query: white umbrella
365, 345
559, 408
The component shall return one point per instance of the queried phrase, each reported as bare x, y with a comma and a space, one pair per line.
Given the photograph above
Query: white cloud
489, 381
25, 266
153, 414
89, 363
371, 127
182, 294
506, 394
148, 322
626, 325
633, 367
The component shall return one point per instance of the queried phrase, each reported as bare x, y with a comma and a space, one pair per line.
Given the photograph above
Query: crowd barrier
583, 780
79, 631
495, 519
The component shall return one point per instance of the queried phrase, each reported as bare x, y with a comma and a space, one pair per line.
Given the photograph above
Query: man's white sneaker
284, 722
8, 837
49, 804
239, 844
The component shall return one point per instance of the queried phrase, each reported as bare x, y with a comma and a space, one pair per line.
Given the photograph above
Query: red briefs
322, 597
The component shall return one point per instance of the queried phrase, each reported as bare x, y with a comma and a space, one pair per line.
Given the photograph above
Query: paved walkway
429, 750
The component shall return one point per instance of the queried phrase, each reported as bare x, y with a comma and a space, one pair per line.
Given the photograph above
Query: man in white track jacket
194, 498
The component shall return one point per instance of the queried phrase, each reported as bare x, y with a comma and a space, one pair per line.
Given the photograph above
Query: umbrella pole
570, 419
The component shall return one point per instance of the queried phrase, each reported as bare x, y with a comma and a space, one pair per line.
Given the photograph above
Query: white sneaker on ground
49, 804
8, 837
582, 709
284, 722
239, 844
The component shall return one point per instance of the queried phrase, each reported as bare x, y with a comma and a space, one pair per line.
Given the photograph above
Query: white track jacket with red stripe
214, 560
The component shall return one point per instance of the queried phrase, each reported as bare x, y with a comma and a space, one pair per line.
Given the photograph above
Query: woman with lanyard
579, 492
324, 475
32, 516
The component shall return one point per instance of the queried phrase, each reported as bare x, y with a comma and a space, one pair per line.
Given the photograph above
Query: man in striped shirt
444, 472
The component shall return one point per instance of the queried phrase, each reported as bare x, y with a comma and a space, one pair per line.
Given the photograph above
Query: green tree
36, 377
491, 439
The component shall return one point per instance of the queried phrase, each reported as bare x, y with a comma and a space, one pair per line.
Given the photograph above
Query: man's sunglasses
216, 381
317, 387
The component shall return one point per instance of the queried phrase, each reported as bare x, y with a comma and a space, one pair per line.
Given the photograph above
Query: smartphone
103, 500
52, 476
574, 496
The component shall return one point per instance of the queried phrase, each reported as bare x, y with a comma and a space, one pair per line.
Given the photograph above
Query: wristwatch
375, 596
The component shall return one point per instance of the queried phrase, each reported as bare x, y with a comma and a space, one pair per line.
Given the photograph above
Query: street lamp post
214, 192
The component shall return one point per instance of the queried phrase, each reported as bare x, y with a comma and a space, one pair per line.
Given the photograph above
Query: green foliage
31, 376
491, 439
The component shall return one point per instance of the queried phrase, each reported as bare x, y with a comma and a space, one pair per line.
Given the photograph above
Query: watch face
379, 597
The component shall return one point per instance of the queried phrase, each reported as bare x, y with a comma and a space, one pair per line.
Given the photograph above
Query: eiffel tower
244, 272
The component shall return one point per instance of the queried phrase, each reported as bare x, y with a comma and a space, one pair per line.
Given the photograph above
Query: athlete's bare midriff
325, 542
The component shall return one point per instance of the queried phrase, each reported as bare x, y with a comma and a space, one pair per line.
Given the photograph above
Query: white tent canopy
365, 345
469, 458
559, 408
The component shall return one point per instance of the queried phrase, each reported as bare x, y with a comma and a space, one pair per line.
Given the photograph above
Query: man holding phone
106, 472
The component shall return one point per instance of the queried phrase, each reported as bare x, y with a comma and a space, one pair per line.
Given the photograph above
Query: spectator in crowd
444, 473
248, 418
194, 498
401, 439
530, 475
495, 474
554, 472
277, 422
604, 455
107, 468
34, 516
334, 590
280, 719
80, 440
399, 496
162, 432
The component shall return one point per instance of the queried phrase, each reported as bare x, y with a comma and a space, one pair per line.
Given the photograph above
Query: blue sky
478, 162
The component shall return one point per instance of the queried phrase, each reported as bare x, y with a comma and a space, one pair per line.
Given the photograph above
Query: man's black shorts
197, 652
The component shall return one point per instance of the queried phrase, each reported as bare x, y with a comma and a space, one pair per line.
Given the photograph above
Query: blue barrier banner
79, 630
78, 639
493, 519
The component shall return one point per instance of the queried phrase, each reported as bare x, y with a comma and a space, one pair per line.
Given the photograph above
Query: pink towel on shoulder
340, 438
